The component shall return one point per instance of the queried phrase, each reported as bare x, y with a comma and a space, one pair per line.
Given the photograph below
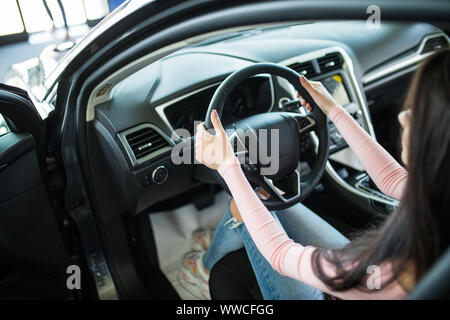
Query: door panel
26, 217
18, 161
31, 244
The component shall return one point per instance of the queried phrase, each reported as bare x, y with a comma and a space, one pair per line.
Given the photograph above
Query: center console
336, 87
334, 68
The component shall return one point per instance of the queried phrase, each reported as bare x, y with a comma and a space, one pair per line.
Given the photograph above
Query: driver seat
232, 278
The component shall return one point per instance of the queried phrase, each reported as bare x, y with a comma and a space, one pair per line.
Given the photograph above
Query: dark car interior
146, 206
357, 65
32, 248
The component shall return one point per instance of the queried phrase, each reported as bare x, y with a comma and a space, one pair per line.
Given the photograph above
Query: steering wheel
285, 186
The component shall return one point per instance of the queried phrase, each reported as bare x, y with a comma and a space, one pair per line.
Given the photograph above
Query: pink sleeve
286, 257
387, 173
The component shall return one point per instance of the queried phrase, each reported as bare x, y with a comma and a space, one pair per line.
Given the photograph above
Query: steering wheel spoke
291, 186
306, 123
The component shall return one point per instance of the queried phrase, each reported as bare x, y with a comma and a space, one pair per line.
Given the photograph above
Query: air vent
329, 62
145, 141
435, 44
305, 68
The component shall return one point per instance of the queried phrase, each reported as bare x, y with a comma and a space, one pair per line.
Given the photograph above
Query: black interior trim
92, 72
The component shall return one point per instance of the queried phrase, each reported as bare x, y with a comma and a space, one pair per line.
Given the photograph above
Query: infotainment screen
335, 87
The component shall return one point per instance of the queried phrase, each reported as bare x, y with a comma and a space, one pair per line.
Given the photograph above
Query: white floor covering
173, 235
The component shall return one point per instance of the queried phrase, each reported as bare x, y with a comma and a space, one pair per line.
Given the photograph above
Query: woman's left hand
212, 150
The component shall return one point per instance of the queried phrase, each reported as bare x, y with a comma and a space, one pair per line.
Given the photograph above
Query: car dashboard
138, 125
254, 95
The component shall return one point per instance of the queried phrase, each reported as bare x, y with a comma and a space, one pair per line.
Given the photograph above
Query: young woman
402, 249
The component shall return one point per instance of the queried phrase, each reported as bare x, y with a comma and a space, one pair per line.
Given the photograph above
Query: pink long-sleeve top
294, 260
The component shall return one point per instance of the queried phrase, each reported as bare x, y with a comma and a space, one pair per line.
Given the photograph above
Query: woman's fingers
202, 140
310, 86
305, 83
216, 122
319, 94
202, 134
199, 134
200, 128
302, 101
305, 104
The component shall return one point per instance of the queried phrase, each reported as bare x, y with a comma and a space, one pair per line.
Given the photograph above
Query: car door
33, 255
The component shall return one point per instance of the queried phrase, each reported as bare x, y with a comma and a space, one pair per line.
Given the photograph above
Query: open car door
33, 255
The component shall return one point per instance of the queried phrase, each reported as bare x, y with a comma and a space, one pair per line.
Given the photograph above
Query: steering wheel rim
320, 127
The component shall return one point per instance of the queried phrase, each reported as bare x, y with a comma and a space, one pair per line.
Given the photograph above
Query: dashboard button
160, 175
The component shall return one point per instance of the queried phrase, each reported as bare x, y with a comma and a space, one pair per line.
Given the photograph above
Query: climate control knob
160, 175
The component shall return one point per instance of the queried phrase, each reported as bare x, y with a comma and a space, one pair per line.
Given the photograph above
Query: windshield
114, 17
245, 33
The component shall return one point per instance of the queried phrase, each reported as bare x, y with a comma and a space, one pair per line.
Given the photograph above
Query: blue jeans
301, 225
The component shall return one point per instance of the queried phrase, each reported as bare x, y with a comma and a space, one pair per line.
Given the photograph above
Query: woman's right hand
212, 149
320, 95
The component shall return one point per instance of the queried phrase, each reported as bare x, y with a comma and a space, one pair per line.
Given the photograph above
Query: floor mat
173, 235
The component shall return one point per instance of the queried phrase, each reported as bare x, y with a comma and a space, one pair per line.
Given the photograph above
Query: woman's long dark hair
414, 236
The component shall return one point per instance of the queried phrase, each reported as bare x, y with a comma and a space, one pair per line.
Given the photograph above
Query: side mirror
19, 111
24, 123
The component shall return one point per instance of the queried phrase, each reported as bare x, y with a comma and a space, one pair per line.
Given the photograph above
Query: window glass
10, 21
37, 19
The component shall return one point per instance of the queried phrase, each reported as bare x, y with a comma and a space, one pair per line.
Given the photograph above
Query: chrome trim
312, 123
131, 156
160, 108
154, 172
363, 193
269, 182
148, 145
370, 191
234, 136
93, 251
348, 68
341, 182
106, 288
281, 101
403, 63
350, 72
